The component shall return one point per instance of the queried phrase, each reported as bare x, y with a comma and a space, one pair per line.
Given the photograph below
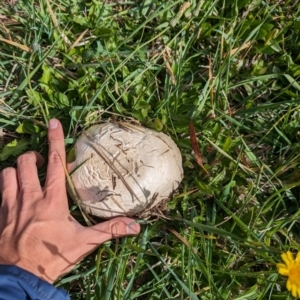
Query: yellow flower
291, 269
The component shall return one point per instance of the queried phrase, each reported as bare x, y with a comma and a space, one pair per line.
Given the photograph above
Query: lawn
230, 70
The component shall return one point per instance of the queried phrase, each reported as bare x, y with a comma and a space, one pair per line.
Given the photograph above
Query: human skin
37, 232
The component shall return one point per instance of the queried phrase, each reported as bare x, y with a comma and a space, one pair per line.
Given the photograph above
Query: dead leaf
195, 146
244, 46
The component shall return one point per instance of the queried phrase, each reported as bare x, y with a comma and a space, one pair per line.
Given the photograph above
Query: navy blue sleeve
18, 284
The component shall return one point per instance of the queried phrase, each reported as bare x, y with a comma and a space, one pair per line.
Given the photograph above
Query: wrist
17, 283
25, 264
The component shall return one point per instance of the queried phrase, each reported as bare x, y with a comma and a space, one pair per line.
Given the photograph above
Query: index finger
55, 180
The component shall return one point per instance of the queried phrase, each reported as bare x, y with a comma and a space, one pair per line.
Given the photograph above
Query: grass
232, 68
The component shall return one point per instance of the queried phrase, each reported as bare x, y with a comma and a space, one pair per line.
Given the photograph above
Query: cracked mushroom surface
124, 169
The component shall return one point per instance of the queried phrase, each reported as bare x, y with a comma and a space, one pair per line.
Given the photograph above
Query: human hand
37, 232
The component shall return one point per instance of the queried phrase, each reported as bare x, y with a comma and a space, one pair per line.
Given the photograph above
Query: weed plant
231, 68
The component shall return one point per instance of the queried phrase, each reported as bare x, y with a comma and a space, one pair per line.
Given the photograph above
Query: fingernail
53, 123
133, 228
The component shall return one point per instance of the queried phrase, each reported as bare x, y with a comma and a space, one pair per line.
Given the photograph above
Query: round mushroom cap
122, 169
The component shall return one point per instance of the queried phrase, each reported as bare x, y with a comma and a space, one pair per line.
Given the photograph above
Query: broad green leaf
250, 294
227, 144
71, 155
47, 74
242, 3
156, 124
80, 19
35, 98
146, 7
46, 78
292, 81
205, 188
27, 127
14, 148
59, 100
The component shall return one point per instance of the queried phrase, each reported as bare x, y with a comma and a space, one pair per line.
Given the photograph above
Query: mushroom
122, 169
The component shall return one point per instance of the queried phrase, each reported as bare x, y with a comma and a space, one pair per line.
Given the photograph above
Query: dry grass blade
10, 76
184, 241
180, 13
231, 65
166, 56
211, 81
72, 190
244, 46
56, 25
7, 21
78, 39
20, 46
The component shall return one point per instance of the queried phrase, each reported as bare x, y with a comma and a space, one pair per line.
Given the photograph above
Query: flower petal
280, 265
288, 258
298, 257
298, 291
283, 271
294, 291
288, 285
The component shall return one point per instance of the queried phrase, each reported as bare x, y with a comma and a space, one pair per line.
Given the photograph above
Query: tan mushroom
124, 169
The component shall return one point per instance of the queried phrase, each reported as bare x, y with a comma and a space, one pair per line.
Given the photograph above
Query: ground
221, 77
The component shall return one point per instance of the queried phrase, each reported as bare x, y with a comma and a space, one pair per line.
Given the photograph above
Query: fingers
93, 236
55, 181
28, 179
114, 228
9, 186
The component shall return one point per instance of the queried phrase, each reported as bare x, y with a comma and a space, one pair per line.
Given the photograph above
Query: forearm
18, 284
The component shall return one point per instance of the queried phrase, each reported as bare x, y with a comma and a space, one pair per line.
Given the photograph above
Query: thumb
114, 228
